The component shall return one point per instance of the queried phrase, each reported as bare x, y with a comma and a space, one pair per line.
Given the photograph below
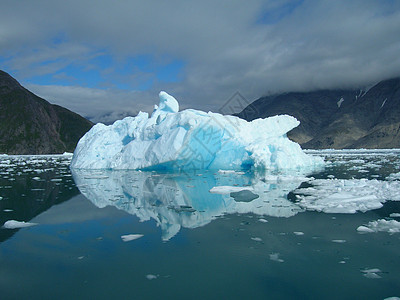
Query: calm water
253, 244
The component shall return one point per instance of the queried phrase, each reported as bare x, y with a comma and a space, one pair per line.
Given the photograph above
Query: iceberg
191, 140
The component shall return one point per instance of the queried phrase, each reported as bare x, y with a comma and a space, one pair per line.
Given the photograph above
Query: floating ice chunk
298, 233
229, 189
257, 239
275, 257
392, 298
151, 276
394, 176
230, 172
339, 241
391, 226
347, 196
364, 229
12, 224
263, 220
371, 273
191, 139
130, 237
395, 215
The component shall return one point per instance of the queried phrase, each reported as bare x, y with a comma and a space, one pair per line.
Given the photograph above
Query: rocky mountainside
31, 125
338, 118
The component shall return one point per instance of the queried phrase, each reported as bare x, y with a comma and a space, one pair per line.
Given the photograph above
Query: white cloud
95, 103
225, 47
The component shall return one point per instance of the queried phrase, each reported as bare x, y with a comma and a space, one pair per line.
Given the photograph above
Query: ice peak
168, 103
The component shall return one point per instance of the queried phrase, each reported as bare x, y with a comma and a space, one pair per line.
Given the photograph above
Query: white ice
130, 237
229, 189
339, 103
191, 139
275, 257
347, 196
390, 226
372, 273
13, 224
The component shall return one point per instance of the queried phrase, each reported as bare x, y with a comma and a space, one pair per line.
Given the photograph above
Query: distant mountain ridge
338, 118
31, 125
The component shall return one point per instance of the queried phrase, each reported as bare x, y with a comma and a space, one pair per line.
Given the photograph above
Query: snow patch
339, 103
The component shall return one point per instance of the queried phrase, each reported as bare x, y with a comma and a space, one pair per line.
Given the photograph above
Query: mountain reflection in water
182, 200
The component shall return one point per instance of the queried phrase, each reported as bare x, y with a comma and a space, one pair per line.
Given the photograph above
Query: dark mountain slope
31, 125
340, 118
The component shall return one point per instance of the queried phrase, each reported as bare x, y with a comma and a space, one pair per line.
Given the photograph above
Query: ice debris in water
13, 224
275, 257
151, 276
298, 233
130, 237
390, 226
228, 189
347, 196
371, 273
191, 139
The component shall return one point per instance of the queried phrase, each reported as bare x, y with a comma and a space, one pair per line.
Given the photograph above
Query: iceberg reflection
182, 200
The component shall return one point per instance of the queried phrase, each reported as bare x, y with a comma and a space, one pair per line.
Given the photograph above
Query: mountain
31, 125
338, 118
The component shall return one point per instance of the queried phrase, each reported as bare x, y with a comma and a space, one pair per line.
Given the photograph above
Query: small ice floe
130, 237
263, 220
151, 276
390, 226
394, 215
257, 239
12, 224
347, 195
298, 233
371, 273
275, 257
36, 178
7, 210
394, 176
339, 241
392, 298
286, 178
230, 172
228, 189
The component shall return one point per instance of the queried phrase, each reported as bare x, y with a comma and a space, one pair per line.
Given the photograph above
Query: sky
109, 59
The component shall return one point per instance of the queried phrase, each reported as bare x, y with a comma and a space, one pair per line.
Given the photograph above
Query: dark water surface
254, 244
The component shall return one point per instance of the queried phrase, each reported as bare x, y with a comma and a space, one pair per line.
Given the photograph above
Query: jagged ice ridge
191, 139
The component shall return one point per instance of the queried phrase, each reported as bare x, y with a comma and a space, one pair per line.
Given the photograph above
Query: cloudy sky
113, 57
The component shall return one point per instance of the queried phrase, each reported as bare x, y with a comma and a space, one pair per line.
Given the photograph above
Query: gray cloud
225, 46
